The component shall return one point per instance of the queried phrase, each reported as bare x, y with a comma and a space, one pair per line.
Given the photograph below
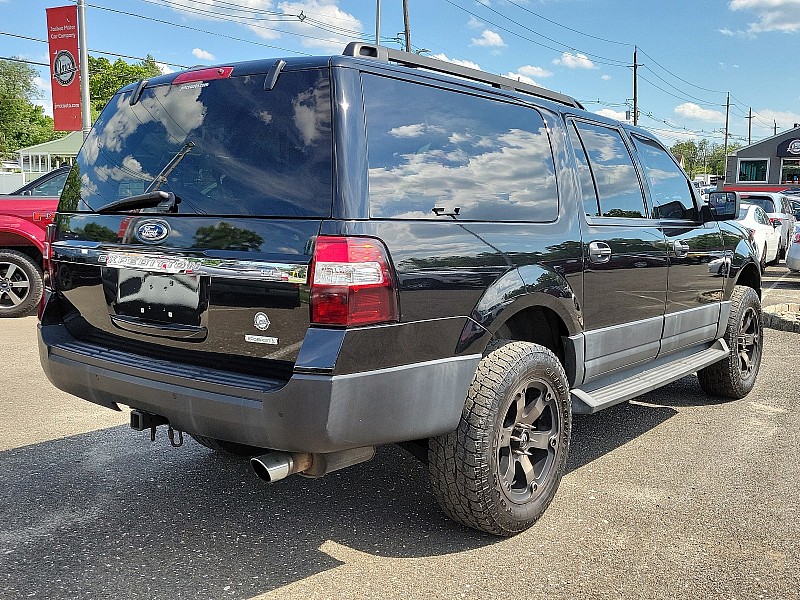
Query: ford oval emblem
152, 232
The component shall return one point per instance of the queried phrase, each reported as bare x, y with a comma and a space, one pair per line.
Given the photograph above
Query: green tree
22, 122
688, 152
225, 236
105, 78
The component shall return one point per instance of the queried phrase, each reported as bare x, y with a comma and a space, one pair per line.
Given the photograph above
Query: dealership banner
62, 35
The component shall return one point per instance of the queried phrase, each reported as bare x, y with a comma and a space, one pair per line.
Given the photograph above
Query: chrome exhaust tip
275, 466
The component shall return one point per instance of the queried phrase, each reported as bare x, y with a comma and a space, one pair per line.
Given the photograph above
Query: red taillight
775, 221
203, 75
796, 238
352, 282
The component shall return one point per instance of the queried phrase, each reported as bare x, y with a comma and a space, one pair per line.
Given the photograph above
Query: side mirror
721, 206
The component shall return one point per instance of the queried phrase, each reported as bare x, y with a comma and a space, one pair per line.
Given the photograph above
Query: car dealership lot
670, 496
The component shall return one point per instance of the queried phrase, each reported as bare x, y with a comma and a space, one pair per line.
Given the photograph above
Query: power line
594, 37
600, 59
190, 28
104, 52
282, 17
21, 60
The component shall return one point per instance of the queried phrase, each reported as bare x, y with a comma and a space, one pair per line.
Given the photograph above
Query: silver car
793, 253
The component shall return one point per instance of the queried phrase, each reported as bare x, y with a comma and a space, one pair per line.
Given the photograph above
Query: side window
51, 187
590, 204
670, 190
428, 148
618, 188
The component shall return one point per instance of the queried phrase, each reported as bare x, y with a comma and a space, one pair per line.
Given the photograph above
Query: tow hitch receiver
141, 420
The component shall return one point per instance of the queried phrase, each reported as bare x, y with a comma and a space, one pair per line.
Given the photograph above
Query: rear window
434, 148
223, 147
766, 203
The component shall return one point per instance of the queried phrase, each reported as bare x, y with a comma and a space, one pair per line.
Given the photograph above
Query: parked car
764, 234
24, 215
793, 254
779, 209
301, 259
48, 185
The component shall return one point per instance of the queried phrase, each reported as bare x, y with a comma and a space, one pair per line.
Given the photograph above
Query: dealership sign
789, 148
62, 36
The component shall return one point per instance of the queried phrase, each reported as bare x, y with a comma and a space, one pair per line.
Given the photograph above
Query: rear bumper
309, 413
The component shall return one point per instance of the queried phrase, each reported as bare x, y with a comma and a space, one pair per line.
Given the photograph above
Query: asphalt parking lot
672, 495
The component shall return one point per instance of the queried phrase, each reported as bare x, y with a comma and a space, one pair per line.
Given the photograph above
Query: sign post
62, 36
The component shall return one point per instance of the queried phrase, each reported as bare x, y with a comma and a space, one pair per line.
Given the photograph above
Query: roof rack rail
382, 53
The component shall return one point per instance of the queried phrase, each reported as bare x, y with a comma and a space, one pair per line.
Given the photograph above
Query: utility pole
725, 151
635, 89
774, 127
83, 52
749, 125
408, 26
378, 25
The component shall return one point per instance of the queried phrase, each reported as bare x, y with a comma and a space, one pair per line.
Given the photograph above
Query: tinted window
766, 203
590, 205
429, 147
224, 147
51, 187
669, 188
617, 184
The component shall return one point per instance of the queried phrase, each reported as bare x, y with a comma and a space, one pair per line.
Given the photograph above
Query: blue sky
691, 53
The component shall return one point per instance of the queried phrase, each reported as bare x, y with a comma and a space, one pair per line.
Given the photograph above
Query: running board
584, 402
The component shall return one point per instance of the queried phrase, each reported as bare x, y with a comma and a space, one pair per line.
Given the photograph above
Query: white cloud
532, 71
611, 114
521, 77
202, 54
464, 63
474, 23
262, 14
325, 13
164, 68
489, 39
574, 61
415, 130
773, 15
605, 77
690, 110
763, 120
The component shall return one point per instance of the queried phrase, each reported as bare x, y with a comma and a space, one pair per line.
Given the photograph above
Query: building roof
65, 146
795, 131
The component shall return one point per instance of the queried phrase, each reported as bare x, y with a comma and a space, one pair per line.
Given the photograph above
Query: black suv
316, 256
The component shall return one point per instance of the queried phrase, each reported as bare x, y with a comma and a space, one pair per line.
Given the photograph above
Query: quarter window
753, 170
618, 188
430, 147
670, 190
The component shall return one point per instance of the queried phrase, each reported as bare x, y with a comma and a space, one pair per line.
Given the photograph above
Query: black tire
735, 376
499, 470
20, 284
232, 448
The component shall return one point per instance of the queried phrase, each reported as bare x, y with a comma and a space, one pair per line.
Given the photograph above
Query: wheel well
750, 277
31, 251
537, 324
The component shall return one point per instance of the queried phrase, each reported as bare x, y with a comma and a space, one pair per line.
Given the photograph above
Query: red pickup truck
24, 216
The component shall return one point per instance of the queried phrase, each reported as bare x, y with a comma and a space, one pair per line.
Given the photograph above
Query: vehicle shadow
108, 515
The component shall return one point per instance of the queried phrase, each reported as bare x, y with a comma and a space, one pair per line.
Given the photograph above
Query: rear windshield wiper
164, 201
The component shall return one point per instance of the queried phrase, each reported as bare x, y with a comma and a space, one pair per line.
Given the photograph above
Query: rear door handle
599, 252
680, 248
